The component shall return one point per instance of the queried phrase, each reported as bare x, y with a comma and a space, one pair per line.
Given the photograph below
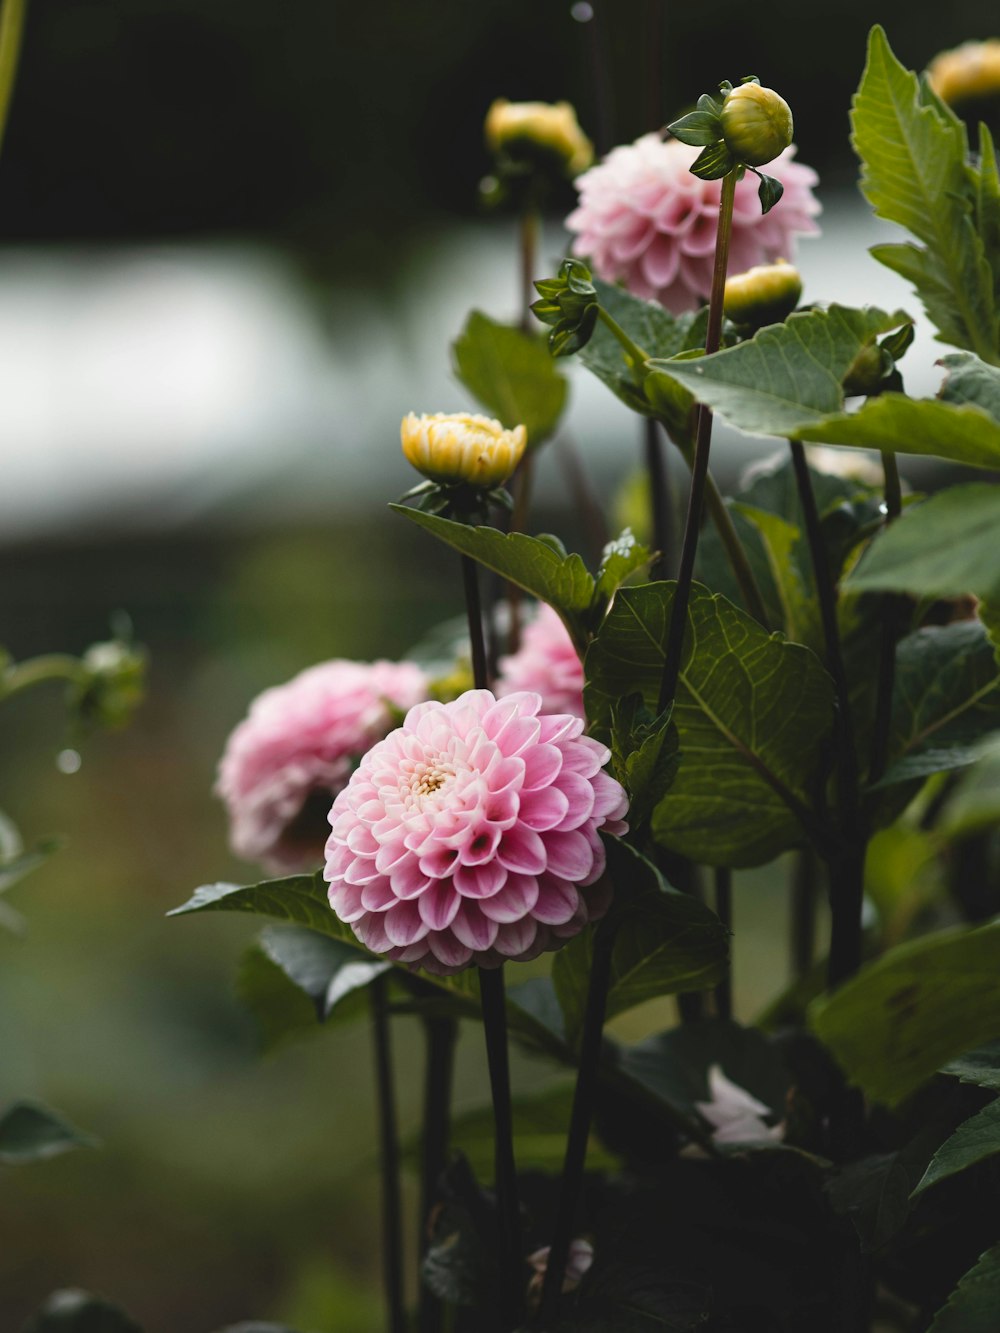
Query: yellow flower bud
462, 447
971, 70
763, 295
551, 127
756, 124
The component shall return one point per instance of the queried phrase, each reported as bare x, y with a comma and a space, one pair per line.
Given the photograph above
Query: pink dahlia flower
644, 219
546, 663
294, 751
470, 834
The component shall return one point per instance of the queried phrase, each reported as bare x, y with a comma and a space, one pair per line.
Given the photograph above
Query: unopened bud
111, 686
756, 124
462, 448
763, 295
520, 129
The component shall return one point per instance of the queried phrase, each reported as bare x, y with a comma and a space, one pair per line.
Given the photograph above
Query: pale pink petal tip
645, 221
469, 835
295, 750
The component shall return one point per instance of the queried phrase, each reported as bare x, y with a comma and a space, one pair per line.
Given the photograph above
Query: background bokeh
235, 240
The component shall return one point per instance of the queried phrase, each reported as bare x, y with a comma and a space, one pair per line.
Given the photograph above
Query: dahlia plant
551, 829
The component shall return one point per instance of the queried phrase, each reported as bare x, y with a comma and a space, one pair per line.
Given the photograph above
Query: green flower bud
111, 684
756, 124
763, 295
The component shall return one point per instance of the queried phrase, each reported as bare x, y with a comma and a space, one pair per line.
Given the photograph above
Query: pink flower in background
546, 663
644, 219
470, 834
294, 751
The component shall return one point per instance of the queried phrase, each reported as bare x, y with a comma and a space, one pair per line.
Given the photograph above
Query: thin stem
571, 1184
887, 640
654, 65
634, 355
724, 911
699, 468
11, 31
518, 522
474, 611
511, 1289
803, 914
847, 861
491, 989
600, 80
659, 497
392, 1211
735, 551
38, 671
441, 1034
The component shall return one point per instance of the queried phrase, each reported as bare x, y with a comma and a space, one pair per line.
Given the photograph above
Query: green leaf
875, 1192
295, 978
666, 942
781, 541
915, 172
942, 547
511, 374
659, 334
533, 564
713, 162
787, 375
620, 559
971, 380
301, 899
769, 192
698, 128
79, 1312
924, 426
945, 702
325, 970
752, 713
30, 1132
645, 755
980, 1067
921, 1004
972, 1306
973, 1141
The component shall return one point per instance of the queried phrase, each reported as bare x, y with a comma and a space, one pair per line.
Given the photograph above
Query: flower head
462, 448
546, 663
294, 751
756, 124
763, 295
972, 70
736, 1116
645, 219
470, 834
520, 129
579, 1261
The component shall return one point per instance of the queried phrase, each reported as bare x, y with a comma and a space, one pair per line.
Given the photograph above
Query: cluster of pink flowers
471, 834
645, 220
547, 663
293, 753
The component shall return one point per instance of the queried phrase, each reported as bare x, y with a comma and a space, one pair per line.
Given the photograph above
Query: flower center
428, 778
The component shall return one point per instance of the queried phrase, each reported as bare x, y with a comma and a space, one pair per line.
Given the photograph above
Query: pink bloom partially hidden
470, 834
734, 1114
294, 752
644, 219
546, 663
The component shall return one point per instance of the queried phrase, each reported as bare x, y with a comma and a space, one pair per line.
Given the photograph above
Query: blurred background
236, 239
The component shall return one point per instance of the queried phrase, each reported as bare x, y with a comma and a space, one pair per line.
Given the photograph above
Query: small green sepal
713, 162
699, 128
769, 191
568, 305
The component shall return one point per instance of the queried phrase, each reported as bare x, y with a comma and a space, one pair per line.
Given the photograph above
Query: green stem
494, 1009
847, 861
571, 1184
528, 247
392, 1211
634, 355
736, 552
39, 671
891, 605
441, 1035
803, 914
11, 31
702, 447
